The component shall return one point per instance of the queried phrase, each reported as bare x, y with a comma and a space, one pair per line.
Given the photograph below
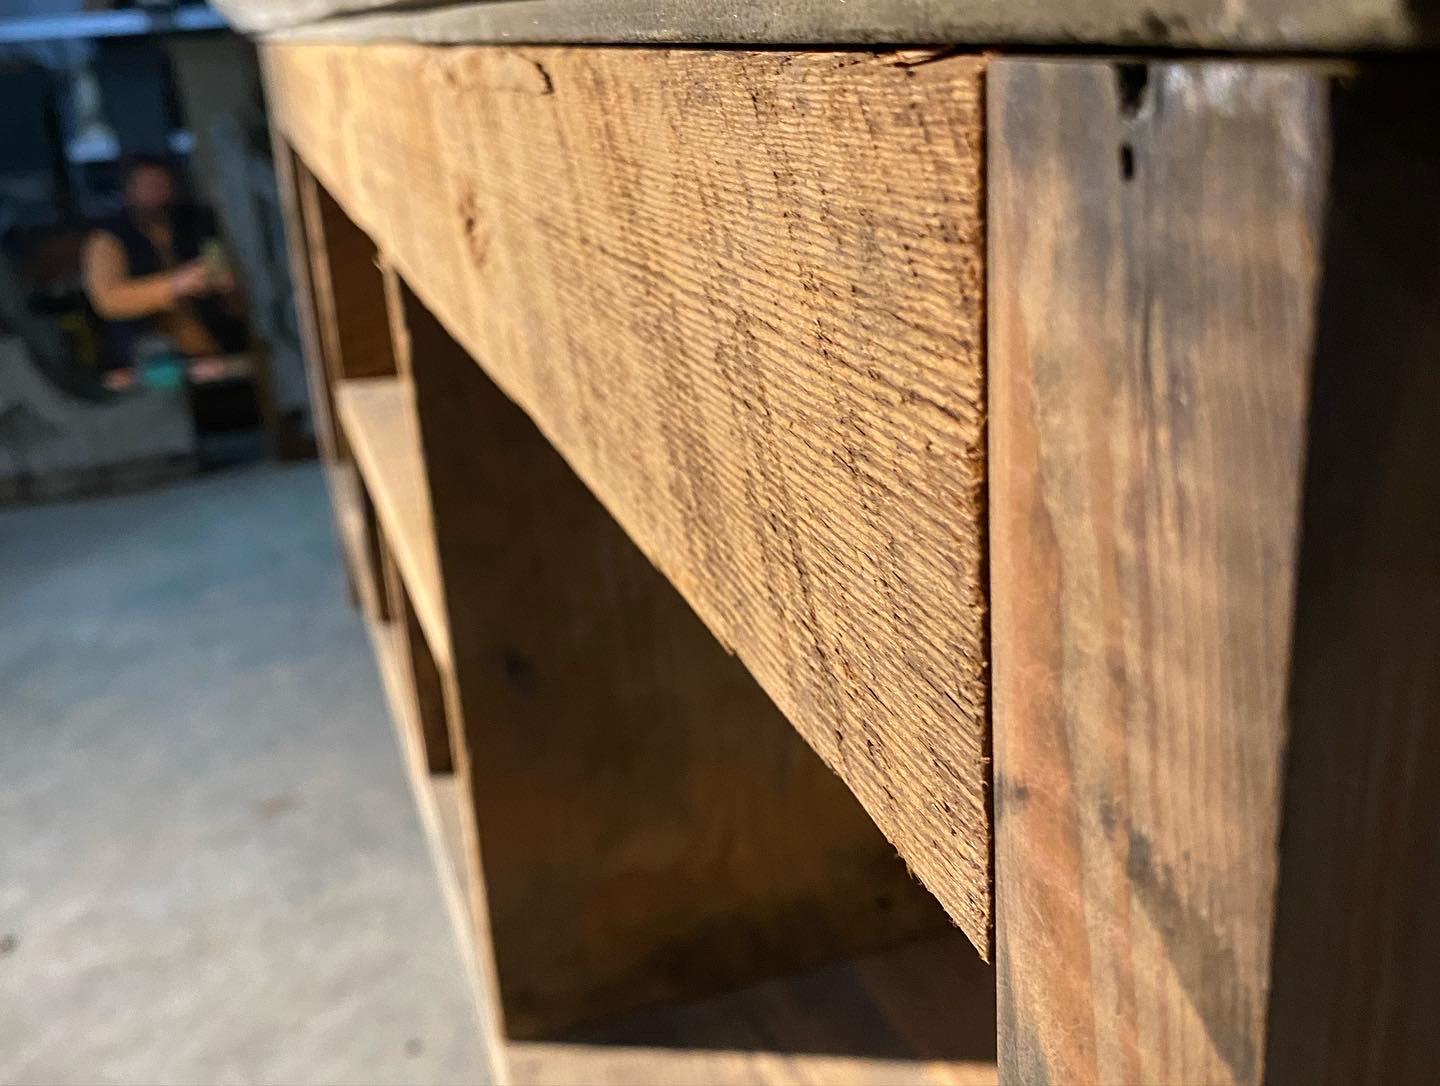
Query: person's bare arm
117, 295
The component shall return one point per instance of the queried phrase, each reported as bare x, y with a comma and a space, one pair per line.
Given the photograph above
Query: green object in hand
163, 371
217, 261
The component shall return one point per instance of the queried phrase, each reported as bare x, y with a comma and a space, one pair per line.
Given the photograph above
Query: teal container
165, 372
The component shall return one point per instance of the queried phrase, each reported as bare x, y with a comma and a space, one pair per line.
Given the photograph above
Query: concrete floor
210, 866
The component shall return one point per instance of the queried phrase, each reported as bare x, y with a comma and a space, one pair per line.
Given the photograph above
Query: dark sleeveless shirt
189, 227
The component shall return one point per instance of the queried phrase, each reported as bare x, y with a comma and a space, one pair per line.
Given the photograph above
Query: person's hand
222, 282
202, 370
190, 279
119, 380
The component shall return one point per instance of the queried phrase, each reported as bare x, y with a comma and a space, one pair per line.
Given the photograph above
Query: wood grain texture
1252, 24
1198, 641
647, 824
1150, 347
741, 294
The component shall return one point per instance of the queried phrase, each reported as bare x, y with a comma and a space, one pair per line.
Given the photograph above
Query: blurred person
154, 270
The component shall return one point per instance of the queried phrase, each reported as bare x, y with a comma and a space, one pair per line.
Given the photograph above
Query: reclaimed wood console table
767, 438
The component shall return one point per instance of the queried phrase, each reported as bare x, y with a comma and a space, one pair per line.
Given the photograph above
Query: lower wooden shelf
379, 424
438, 802
921, 1015
538, 1064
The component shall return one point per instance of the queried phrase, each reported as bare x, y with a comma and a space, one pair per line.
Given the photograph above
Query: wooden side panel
290, 179
1189, 309
296, 186
648, 825
741, 294
346, 289
1355, 989
1154, 236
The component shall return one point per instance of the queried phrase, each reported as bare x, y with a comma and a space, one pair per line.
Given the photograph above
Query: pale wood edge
387, 452
558, 1064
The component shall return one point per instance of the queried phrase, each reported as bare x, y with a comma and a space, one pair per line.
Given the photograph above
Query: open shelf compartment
651, 877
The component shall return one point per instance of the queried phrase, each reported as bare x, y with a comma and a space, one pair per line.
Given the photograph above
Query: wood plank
920, 1015
353, 533
377, 603
447, 800
378, 417
741, 294
1250, 24
289, 180
437, 801
648, 826
421, 669
1149, 394
292, 182
1169, 688
556, 1064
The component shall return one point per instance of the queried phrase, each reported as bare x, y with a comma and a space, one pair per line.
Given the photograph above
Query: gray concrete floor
210, 866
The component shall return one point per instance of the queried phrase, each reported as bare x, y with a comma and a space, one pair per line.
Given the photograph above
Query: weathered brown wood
1230, 24
1153, 234
741, 294
1164, 632
648, 826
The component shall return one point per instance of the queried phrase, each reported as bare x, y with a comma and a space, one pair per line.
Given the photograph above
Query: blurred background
88, 93
201, 873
